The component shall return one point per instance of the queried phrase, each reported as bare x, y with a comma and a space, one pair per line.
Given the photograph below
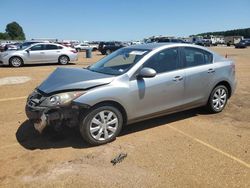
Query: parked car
204, 42
165, 39
107, 48
243, 43
82, 46
28, 43
39, 53
132, 84
94, 45
12, 46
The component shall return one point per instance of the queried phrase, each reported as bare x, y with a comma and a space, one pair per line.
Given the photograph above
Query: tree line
236, 32
13, 31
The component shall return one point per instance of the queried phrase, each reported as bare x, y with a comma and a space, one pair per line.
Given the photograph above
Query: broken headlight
61, 99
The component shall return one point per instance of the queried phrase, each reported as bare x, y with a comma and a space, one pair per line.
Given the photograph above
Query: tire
78, 49
63, 60
101, 133
16, 62
218, 99
103, 52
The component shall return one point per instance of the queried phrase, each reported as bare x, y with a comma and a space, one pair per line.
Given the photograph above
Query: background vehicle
164, 39
130, 85
108, 47
39, 53
243, 43
28, 43
232, 40
82, 46
203, 42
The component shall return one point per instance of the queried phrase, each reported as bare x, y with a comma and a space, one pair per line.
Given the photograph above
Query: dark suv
164, 39
243, 43
108, 47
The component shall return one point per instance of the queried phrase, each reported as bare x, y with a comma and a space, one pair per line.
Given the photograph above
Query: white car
39, 53
82, 46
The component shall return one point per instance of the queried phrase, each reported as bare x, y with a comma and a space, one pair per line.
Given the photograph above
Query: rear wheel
218, 99
101, 125
16, 62
63, 60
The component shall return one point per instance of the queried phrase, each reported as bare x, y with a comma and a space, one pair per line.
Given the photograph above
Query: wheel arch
114, 104
227, 85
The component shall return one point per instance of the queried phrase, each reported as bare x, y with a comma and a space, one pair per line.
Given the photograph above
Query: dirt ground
187, 149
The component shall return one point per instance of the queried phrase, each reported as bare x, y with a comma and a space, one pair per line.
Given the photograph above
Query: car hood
63, 79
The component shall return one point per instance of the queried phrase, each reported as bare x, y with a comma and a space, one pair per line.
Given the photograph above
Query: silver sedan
39, 53
130, 85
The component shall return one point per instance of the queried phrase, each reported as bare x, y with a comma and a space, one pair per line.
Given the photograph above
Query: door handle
177, 78
41, 52
211, 70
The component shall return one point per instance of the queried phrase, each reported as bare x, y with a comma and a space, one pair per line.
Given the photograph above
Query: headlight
62, 98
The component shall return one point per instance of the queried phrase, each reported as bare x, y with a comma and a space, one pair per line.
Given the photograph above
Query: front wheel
101, 125
16, 62
218, 99
63, 60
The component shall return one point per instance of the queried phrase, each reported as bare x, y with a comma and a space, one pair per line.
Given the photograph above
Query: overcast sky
123, 20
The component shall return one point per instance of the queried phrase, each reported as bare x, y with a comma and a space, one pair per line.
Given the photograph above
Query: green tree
15, 31
4, 36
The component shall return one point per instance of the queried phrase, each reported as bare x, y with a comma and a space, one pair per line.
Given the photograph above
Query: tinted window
195, 57
51, 47
37, 47
164, 61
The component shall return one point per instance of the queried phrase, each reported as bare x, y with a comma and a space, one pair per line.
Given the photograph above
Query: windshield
119, 61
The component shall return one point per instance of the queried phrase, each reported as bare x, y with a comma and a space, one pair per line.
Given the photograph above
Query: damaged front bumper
43, 116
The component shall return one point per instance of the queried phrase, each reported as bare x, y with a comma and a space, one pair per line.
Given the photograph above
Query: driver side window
164, 61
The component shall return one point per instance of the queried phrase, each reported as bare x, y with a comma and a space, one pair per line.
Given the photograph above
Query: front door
162, 92
36, 54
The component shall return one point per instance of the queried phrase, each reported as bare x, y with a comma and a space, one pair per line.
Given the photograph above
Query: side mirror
146, 73
28, 50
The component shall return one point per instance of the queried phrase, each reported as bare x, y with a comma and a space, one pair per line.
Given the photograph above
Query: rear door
199, 74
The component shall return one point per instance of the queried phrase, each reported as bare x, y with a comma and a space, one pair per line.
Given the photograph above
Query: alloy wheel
104, 125
63, 60
16, 62
219, 99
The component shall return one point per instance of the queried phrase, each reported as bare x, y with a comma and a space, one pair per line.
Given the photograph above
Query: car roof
153, 46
